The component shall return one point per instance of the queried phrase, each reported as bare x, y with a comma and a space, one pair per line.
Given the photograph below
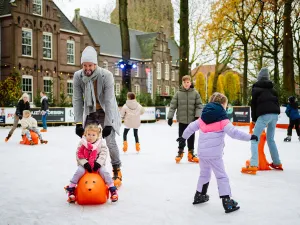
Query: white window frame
136, 71
158, 70
28, 92
51, 43
70, 82
48, 79
73, 43
174, 90
168, 90
117, 70
105, 64
35, 2
30, 31
158, 89
167, 71
173, 75
118, 89
137, 89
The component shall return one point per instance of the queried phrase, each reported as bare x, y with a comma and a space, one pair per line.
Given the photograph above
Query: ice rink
155, 189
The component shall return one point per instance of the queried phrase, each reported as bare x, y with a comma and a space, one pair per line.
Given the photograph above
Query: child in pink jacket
91, 156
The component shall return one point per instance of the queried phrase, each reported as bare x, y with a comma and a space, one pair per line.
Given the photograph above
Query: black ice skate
288, 139
200, 198
229, 205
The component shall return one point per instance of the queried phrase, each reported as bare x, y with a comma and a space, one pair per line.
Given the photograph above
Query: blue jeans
44, 120
269, 121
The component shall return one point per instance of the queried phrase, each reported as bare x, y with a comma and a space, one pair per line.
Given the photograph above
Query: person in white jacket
131, 113
28, 124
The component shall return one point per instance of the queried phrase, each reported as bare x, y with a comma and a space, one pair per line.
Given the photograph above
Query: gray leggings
16, 121
102, 171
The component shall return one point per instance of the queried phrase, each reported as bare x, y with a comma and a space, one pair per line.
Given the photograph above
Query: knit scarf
89, 92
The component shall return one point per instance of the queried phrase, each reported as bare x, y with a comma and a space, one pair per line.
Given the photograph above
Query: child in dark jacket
293, 113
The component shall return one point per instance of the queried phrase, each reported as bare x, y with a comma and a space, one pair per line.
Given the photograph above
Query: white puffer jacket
131, 112
28, 123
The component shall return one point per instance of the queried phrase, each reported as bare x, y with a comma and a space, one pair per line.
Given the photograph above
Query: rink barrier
238, 115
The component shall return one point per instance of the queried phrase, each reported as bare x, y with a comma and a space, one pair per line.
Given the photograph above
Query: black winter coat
45, 104
21, 107
264, 99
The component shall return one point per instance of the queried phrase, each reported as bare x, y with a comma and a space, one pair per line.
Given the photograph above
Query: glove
79, 130
106, 131
181, 142
96, 166
88, 167
20, 117
170, 122
254, 137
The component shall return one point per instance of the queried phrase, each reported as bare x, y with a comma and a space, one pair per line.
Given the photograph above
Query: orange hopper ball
91, 190
34, 137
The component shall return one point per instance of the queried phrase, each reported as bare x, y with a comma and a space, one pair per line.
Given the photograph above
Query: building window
117, 72
26, 42
158, 89
136, 71
173, 90
137, 89
167, 90
105, 65
70, 87
48, 85
37, 7
167, 71
47, 45
118, 89
173, 75
27, 82
70, 52
158, 70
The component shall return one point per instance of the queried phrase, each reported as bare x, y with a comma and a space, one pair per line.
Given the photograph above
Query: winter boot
179, 156
288, 139
71, 194
117, 175
137, 147
192, 157
44, 142
7, 138
276, 167
125, 146
229, 204
43, 130
250, 170
200, 198
113, 194
31, 142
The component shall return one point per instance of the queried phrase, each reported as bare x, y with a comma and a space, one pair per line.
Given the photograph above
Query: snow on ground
155, 189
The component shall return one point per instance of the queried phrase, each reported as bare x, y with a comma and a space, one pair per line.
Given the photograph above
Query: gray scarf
89, 92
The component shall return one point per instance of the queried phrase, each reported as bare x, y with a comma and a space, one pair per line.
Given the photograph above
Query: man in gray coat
94, 102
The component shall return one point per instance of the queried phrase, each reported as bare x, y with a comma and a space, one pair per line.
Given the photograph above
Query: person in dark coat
292, 112
22, 105
264, 112
44, 109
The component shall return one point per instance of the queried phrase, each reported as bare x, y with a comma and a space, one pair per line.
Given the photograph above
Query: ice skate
179, 156
71, 194
276, 167
117, 176
200, 198
7, 138
229, 205
192, 157
113, 194
44, 142
249, 170
43, 130
287, 139
31, 142
125, 146
137, 147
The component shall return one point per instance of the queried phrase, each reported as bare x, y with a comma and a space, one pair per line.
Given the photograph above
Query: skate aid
91, 190
263, 164
34, 138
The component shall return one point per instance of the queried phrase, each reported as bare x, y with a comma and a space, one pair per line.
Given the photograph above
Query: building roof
65, 23
107, 35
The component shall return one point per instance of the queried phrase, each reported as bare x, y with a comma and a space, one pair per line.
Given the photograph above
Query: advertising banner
69, 115
7, 115
149, 114
160, 113
55, 114
241, 114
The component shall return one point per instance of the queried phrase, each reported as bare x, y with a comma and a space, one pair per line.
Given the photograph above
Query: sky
68, 6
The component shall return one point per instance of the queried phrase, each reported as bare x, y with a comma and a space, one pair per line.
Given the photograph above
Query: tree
296, 36
184, 39
99, 12
200, 86
124, 31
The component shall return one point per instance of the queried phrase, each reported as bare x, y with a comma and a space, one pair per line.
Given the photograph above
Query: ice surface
155, 189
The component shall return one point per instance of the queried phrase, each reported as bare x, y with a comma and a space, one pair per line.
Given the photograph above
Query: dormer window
37, 7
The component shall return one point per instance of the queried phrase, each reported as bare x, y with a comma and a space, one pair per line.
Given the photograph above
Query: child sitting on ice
212, 126
91, 156
28, 124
